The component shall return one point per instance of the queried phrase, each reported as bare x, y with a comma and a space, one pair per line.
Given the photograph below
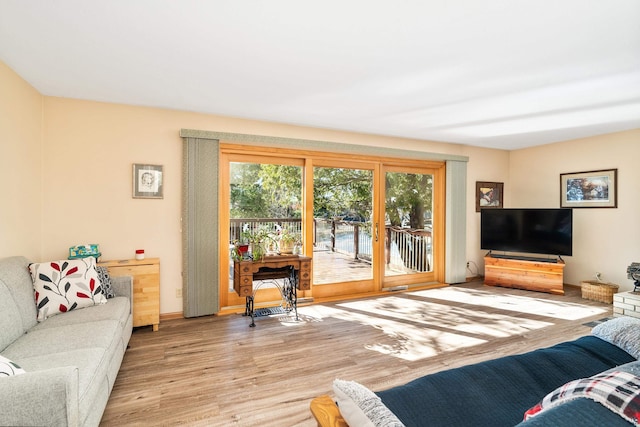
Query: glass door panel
342, 231
265, 210
408, 223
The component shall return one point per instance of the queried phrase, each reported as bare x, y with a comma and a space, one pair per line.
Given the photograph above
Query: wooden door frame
309, 160
438, 224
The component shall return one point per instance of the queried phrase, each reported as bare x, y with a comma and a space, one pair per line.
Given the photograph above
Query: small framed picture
147, 181
592, 189
489, 195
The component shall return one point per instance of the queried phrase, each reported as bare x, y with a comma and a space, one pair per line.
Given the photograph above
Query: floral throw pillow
62, 286
9, 368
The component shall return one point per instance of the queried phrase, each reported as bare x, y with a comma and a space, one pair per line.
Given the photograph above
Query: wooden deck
331, 267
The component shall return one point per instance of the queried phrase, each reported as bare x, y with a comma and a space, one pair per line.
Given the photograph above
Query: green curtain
200, 266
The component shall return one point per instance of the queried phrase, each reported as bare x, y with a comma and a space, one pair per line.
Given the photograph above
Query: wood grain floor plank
216, 371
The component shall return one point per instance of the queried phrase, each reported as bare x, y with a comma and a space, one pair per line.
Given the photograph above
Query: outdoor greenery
265, 191
408, 199
268, 191
344, 193
274, 191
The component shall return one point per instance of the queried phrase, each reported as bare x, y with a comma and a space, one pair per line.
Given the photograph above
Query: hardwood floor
217, 371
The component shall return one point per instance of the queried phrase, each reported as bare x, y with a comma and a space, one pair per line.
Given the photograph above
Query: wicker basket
598, 291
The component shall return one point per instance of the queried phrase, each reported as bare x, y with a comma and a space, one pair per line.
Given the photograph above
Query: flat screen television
537, 231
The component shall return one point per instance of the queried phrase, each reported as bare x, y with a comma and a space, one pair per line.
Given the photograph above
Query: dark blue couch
594, 380
498, 392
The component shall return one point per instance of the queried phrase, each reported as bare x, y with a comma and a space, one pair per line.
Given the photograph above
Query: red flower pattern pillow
62, 286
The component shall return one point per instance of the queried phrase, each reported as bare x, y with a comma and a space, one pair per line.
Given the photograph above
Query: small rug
597, 322
268, 311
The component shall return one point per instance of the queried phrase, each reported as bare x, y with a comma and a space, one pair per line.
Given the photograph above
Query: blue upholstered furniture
497, 392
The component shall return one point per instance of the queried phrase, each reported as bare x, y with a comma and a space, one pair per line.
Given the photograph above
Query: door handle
376, 232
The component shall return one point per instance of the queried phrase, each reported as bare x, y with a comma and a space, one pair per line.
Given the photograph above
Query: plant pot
286, 247
257, 251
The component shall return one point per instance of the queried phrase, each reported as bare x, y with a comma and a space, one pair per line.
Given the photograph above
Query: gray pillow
631, 367
105, 282
623, 332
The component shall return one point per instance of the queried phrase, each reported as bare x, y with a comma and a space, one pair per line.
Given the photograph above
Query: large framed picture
591, 189
489, 195
147, 181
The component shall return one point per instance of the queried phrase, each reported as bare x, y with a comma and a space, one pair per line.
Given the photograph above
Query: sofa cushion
116, 309
62, 286
10, 320
14, 273
578, 412
104, 334
92, 364
8, 368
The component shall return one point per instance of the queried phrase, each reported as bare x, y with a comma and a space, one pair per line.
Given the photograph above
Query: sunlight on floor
417, 326
406, 341
530, 305
439, 315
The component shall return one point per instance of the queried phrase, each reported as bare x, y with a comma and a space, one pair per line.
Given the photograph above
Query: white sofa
70, 360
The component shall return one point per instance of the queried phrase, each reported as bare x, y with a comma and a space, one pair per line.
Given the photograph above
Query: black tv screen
538, 231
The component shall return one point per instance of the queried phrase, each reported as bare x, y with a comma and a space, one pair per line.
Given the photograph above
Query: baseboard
171, 316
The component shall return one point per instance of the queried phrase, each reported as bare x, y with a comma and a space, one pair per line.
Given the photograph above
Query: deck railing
405, 249
408, 249
237, 226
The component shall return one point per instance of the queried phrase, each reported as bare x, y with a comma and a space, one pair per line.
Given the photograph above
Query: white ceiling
495, 73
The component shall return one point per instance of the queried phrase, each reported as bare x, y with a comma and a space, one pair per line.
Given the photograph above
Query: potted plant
259, 239
288, 239
239, 250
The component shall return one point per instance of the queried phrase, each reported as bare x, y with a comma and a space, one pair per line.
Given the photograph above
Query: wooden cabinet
524, 274
146, 287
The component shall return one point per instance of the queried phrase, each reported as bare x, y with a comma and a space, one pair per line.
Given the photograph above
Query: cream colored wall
486, 166
88, 155
605, 240
20, 166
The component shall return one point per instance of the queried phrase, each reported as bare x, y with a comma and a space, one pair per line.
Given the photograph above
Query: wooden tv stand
541, 276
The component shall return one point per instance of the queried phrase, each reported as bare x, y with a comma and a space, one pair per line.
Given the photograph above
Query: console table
146, 287
532, 275
294, 269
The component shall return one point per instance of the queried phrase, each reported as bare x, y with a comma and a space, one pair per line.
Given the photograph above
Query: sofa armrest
48, 397
123, 286
326, 412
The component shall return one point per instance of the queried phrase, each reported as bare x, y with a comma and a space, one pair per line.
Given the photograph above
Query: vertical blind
200, 266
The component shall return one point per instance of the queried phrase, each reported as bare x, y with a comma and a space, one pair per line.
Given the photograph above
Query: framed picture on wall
489, 195
591, 189
147, 181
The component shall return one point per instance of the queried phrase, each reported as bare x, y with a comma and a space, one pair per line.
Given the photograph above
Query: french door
367, 223
345, 218
261, 197
412, 224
